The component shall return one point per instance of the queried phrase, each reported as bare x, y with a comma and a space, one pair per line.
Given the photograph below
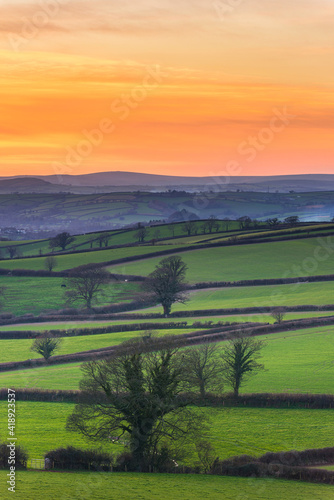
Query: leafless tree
86, 285
50, 263
204, 368
239, 361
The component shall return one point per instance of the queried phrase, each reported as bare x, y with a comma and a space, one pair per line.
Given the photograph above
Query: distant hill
310, 182
131, 181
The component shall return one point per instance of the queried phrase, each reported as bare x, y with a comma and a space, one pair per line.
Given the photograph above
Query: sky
177, 87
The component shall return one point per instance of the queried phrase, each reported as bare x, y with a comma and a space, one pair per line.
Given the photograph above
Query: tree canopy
167, 282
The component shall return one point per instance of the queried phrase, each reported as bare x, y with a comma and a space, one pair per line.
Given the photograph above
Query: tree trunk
167, 309
202, 388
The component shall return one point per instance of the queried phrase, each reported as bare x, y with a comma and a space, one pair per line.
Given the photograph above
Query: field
254, 261
35, 295
67, 486
295, 361
232, 431
257, 296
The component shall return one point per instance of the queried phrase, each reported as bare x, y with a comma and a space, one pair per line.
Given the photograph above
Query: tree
141, 234
2, 293
227, 223
12, 251
62, 240
50, 262
278, 314
273, 222
135, 396
239, 361
189, 227
46, 345
211, 224
293, 220
203, 368
86, 284
244, 222
167, 282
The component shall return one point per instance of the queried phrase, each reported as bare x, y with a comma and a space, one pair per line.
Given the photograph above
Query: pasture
232, 431
295, 361
277, 259
35, 295
318, 293
34, 485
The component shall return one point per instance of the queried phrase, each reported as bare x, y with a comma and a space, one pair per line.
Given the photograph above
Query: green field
71, 260
35, 295
239, 318
19, 350
257, 296
261, 260
129, 486
295, 361
40, 427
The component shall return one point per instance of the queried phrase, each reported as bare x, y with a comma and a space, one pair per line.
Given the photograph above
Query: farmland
296, 361
160, 486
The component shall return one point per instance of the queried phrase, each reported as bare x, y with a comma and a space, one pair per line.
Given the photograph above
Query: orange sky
182, 87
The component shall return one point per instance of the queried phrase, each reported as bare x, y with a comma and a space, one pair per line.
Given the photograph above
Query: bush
75, 458
21, 456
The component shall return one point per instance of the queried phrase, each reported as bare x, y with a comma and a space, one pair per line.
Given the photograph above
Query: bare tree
278, 314
2, 294
12, 251
171, 229
189, 227
50, 263
204, 368
167, 282
136, 395
141, 234
46, 345
239, 361
86, 285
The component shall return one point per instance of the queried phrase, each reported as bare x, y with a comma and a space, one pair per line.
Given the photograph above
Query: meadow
39, 485
235, 318
318, 293
35, 295
295, 361
253, 261
40, 427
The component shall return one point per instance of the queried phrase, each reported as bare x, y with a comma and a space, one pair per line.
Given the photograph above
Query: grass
40, 427
239, 318
257, 296
295, 361
263, 260
19, 350
35, 295
71, 260
130, 486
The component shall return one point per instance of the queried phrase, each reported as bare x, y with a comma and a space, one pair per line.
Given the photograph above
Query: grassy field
19, 350
295, 361
239, 318
68, 261
260, 260
92, 486
232, 431
35, 295
257, 296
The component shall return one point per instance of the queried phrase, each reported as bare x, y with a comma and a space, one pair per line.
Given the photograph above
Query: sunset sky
179, 87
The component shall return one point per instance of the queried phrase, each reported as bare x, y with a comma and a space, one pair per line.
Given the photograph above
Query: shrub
21, 456
75, 458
